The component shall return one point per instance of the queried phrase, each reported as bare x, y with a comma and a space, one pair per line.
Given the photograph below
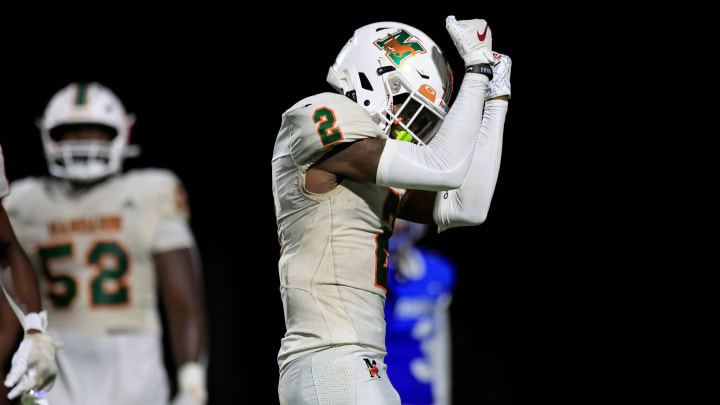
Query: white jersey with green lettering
4, 187
94, 248
333, 264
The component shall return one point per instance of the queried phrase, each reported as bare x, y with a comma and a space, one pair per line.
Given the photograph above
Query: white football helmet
85, 160
389, 63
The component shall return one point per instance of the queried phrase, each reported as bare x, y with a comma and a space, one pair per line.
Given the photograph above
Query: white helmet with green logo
389, 63
85, 160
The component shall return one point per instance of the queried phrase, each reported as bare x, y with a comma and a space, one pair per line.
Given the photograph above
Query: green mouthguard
401, 135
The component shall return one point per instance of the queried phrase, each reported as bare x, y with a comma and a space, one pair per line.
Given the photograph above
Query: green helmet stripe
81, 94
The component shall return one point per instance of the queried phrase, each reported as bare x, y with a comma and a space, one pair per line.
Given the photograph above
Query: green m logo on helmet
398, 48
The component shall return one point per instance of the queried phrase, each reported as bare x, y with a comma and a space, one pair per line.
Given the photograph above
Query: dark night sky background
591, 281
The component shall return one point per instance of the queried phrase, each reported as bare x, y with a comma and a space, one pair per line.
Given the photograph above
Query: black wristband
482, 69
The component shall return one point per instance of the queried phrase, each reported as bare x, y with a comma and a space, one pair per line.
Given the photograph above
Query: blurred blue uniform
418, 329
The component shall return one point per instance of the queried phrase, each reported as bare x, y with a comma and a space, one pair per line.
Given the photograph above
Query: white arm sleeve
443, 163
469, 204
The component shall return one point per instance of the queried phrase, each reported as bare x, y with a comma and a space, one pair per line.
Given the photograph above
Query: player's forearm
23, 288
470, 203
9, 330
442, 164
18, 276
181, 291
187, 334
188, 338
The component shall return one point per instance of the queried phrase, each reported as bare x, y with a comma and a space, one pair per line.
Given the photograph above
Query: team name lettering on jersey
82, 225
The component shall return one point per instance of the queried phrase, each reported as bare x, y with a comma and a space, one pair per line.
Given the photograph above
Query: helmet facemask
85, 132
416, 116
84, 160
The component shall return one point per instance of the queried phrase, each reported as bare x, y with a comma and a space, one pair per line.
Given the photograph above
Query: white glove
33, 370
191, 385
472, 39
500, 83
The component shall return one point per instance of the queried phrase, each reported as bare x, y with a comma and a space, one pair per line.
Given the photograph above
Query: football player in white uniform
105, 242
33, 366
341, 174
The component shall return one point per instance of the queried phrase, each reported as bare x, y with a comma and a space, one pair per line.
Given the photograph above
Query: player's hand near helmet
500, 84
34, 369
472, 39
191, 385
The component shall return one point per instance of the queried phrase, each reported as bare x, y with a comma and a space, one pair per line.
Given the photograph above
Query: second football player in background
105, 243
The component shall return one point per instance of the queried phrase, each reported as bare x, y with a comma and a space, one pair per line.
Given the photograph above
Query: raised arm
469, 204
443, 163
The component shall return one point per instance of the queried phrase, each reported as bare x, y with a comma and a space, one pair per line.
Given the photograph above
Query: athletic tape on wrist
191, 379
36, 321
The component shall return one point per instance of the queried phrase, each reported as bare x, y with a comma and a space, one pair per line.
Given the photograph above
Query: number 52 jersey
93, 248
334, 246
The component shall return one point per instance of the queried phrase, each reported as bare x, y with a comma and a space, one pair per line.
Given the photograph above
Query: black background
591, 281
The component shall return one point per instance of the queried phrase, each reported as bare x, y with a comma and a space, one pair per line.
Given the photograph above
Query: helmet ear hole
366, 102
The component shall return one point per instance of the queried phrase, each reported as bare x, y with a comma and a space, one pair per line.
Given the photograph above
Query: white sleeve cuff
172, 234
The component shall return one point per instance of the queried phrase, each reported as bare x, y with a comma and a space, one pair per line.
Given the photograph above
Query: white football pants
342, 375
109, 370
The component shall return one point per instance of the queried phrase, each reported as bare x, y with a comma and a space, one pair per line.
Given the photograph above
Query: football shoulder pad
161, 189
24, 193
314, 125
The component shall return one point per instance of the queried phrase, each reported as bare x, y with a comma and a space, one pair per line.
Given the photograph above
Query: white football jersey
333, 264
4, 187
93, 248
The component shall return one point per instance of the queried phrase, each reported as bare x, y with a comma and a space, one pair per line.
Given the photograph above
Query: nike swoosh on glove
472, 38
500, 83
33, 370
